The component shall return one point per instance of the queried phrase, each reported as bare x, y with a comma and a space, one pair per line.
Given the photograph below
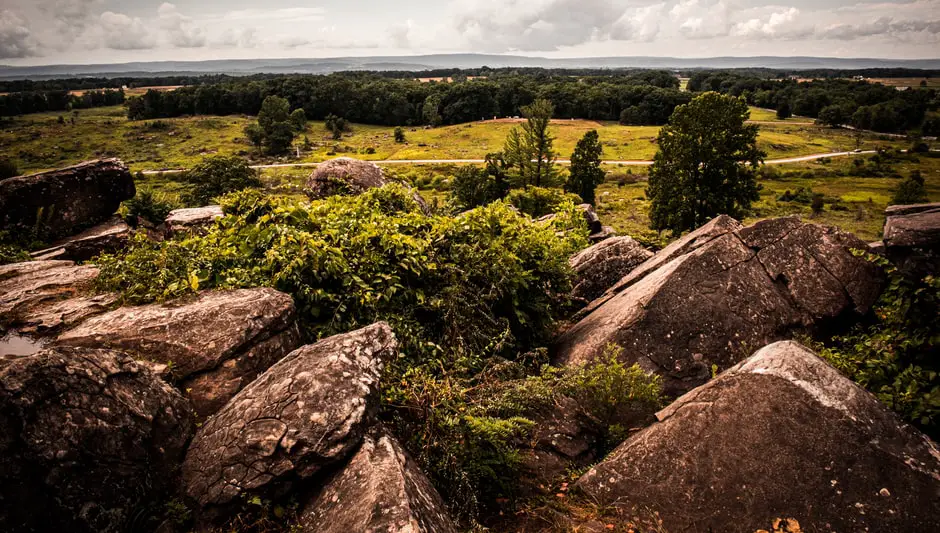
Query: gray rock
307, 412
191, 220
912, 238
89, 439
61, 201
781, 435
716, 303
215, 343
380, 489
107, 237
42, 297
347, 176
598, 267
605, 233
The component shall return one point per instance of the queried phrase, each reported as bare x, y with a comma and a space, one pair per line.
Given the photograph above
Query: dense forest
833, 102
650, 97
21, 103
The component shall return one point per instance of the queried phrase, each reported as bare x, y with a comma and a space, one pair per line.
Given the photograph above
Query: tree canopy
706, 164
586, 172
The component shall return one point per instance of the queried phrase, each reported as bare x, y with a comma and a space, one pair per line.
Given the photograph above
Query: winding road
626, 162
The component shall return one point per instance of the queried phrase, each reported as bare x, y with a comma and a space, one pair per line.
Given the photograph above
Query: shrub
539, 201
911, 190
803, 195
219, 175
298, 120
894, 356
399, 134
8, 168
149, 207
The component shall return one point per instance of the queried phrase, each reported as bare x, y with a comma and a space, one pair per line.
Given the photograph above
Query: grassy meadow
40, 141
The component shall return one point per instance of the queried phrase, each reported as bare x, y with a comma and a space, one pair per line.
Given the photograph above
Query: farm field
40, 141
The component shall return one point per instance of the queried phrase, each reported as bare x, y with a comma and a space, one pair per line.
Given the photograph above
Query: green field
40, 141
854, 202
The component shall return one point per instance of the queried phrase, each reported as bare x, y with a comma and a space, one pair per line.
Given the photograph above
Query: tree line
21, 103
371, 99
833, 102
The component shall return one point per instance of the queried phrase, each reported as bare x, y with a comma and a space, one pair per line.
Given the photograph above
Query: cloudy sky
105, 31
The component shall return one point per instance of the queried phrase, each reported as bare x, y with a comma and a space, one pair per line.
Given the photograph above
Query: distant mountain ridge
438, 61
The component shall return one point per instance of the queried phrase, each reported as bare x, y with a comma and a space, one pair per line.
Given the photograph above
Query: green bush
539, 201
219, 175
911, 190
150, 207
895, 356
8, 168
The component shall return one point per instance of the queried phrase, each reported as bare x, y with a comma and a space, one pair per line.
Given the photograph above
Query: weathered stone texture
66, 200
87, 439
215, 343
781, 435
307, 412
380, 489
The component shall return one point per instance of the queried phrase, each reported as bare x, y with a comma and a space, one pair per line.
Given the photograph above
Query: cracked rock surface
215, 343
87, 438
191, 219
379, 489
781, 435
65, 199
733, 290
599, 266
912, 237
108, 236
307, 412
42, 297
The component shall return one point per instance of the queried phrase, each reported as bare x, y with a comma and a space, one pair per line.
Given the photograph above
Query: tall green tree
530, 150
586, 173
274, 109
276, 124
706, 164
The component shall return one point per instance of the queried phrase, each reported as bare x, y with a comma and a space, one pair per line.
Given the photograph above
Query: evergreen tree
586, 173
530, 150
783, 110
706, 164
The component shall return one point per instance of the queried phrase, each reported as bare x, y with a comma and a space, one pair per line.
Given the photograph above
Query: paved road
626, 162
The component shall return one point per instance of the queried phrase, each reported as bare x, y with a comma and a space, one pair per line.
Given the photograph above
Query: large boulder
214, 343
912, 237
89, 441
62, 201
782, 435
347, 176
108, 236
307, 412
598, 267
713, 305
380, 489
40, 298
191, 220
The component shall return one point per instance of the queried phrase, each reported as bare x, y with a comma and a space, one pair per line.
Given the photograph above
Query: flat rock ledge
380, 489
214, 343
709, 299
782, 435
307, 412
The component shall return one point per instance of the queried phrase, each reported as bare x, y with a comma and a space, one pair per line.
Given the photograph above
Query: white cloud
120, 32
783, 24
180, 30
16, 40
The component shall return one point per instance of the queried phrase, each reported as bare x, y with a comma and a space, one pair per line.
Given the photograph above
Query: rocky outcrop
735, 290
43, 297
600, 266
380, 489
780, 436
347, 176
307, 412
912, 237
88, 439
107, 237
192, 220
61, 201
214, 343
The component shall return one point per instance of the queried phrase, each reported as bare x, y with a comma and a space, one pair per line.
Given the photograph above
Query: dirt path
625, 162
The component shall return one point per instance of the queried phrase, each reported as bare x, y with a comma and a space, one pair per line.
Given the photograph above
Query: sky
38, 32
